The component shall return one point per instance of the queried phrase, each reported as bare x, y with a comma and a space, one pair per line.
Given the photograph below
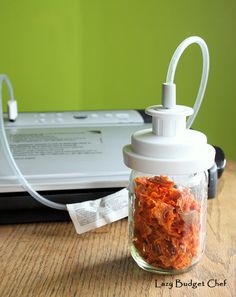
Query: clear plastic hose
7, 152
205, 70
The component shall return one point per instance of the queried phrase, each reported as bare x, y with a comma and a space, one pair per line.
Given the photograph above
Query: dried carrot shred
166, 223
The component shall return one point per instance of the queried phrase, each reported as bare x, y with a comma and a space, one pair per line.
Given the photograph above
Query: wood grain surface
52, 260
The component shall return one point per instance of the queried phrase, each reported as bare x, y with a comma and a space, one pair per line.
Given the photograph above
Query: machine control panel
81, 118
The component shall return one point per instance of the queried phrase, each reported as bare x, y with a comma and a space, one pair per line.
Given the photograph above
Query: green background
110, 54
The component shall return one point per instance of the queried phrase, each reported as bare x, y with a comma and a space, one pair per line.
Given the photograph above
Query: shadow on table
116, 277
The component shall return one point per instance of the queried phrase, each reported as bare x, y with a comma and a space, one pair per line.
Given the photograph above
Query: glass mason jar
167, 220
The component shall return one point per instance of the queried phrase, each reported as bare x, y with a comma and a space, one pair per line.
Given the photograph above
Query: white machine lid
70, 150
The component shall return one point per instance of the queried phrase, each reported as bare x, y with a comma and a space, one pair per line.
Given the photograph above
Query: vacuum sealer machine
69, 157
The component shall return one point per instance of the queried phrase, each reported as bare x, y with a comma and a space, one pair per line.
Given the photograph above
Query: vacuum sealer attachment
168, 102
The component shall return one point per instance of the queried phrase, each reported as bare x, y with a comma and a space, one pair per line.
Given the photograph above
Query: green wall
109, 54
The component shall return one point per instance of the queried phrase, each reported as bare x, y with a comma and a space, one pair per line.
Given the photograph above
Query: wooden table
52, 260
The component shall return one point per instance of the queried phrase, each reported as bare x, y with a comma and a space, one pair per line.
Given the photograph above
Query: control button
42, 120
80, 117
108, 115
60, 120
42, 115
59, 114
94, 115
122, 115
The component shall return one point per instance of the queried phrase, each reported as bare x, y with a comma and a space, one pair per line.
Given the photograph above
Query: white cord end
168, 95
12, 110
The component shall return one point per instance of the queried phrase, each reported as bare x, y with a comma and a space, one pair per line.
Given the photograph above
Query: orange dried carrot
166, 223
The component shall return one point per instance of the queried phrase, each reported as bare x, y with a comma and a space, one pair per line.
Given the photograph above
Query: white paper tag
92, 214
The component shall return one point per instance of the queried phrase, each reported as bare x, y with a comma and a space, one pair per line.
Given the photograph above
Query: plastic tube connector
168, 95
12, 110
